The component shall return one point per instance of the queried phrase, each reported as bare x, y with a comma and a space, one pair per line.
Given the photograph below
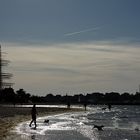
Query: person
85, 105
109, 106
68, 105
33, 114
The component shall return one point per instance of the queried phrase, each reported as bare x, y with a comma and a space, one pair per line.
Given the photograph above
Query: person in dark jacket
33, 114
109, 107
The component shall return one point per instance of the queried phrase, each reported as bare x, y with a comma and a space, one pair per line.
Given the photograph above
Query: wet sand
11, 116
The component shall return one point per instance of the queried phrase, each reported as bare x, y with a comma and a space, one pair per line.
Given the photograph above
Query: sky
71, 46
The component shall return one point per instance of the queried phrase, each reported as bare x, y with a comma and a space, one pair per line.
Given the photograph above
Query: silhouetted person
33, 114
68, 105
85, 106
109, 106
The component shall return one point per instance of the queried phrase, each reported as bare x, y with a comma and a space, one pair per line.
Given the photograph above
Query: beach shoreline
12, 116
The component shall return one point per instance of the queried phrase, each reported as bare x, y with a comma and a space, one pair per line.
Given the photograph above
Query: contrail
82, 31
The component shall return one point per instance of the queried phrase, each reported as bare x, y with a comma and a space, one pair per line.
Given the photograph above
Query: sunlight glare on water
120, 124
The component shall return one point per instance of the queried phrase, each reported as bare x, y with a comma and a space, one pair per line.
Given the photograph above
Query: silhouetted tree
22, 96
8, 95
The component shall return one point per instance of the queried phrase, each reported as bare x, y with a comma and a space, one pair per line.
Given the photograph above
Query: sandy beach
11, 116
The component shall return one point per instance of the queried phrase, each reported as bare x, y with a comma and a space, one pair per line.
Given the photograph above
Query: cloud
74, 66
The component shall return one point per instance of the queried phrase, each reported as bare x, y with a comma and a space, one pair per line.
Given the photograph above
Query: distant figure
85, 106
33, 114
109, 106
68, 105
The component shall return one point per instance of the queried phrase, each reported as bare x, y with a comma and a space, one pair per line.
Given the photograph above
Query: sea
122, 122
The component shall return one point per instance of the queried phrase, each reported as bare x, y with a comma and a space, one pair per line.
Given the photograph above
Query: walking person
109, 107
85, 105
33, 114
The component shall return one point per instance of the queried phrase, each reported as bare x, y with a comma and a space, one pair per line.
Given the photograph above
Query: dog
104, 108
137, 129
99, 127
46, 121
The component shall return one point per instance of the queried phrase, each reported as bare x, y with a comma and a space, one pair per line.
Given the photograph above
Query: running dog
46, 121
99, 127
104, 108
